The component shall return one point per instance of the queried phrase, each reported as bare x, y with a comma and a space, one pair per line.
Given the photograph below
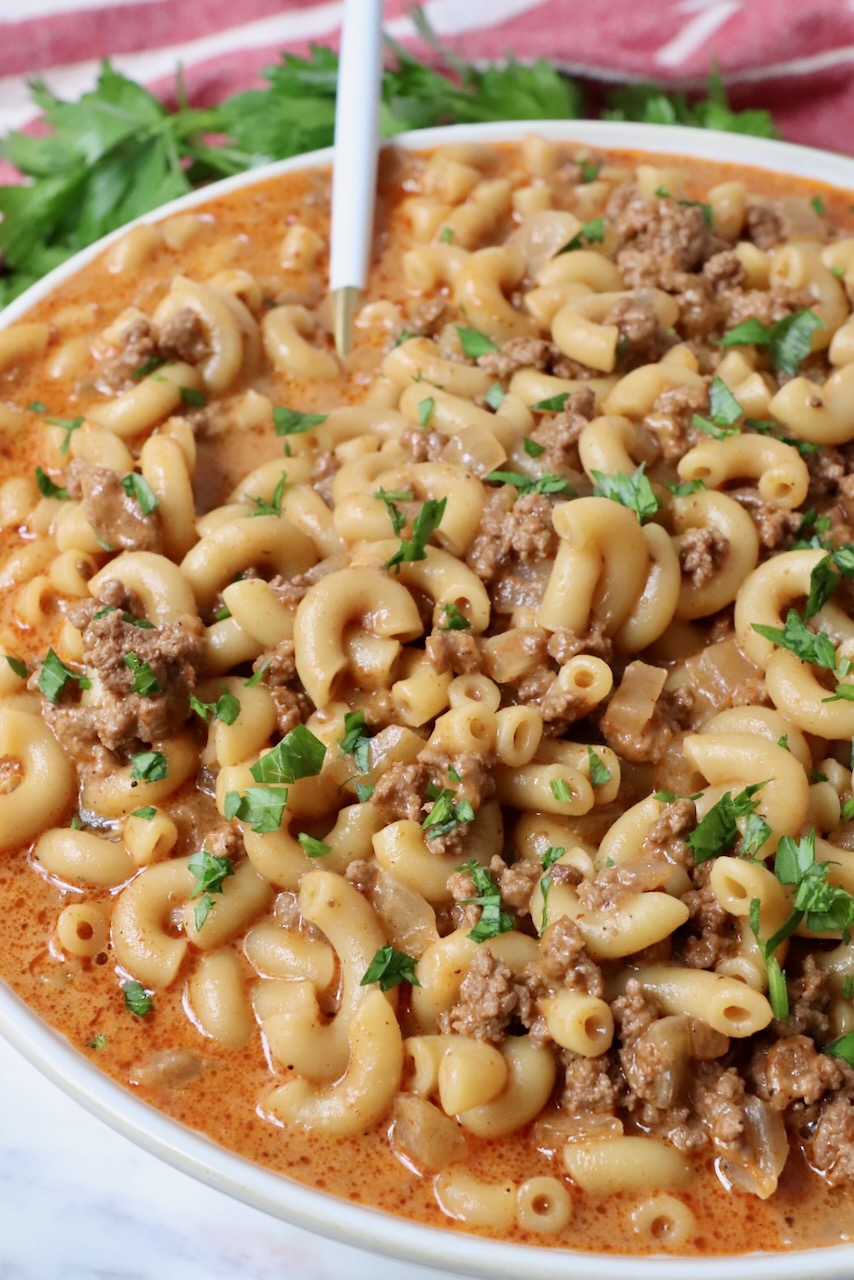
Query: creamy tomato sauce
226, 1089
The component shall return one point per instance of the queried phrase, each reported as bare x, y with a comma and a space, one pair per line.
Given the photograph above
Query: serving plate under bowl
188, 1151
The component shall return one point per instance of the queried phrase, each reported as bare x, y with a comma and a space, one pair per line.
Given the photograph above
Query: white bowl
355, 1225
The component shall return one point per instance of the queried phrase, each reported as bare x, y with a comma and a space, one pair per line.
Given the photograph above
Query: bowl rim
358, 1225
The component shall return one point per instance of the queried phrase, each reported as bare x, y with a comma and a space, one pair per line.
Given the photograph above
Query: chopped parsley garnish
685, 490
37, 406
299, 755
796, 636
818, 204
19, 667
136, 998
824, 906
842, 1047
313, 847
405, 335
55, 675
599, 771
454, 620
290, 422
98, 1042
47, 487
145, 682
211, 871
724, 412
274, 506
699, 204
363, 791
494, 396
474, 343
551, 404
848, 986
847, 810
69, 426
193, 397
136, 486
226, 708
765, 428
446, 235
423, 526
825, 576
716, 831
150, 366
146, 813
222, 613
532, 448
789, 340
591, 232
546, 483
262, 807
389, 968
356, 742
550, 857
493, 920
257, 677
425, 411
590, 172
446, 814
756, 832
811, 532
149, 766
634, 491
561, 790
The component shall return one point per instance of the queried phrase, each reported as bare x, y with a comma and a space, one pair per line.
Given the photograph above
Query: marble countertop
80, 1202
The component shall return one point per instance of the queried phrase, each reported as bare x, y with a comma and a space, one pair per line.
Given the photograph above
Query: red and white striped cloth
793, 56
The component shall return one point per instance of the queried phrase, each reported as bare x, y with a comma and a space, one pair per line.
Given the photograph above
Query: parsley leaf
136, 998
532, 448
716, 831
548, 482
211, 871
842, 1047
149, 366
561, 790
634, 491
262, 807
313, 847
446, 235
474, 343
47, 487
756, 832
818, 205
20, 668
136, 486
389, 968
274, 506
685, 490
494, 396
97, 1042
796, 636
291, 422
724, 412
551, 404
550, 857
599, 771
226, 708
425, 411
193, 397
363, 791
424, 525
493, 920
257, 677
591, 232
356, 742
147, 812
446, 814
145, 682
68, 425
789, 339
299, 755
55, 675
454, 619
149, 766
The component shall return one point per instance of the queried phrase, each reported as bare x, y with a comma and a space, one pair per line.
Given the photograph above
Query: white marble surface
80, 1202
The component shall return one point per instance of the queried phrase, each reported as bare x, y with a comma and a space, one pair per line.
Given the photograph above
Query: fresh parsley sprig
788, 340
493, 920
211, 871
634, 491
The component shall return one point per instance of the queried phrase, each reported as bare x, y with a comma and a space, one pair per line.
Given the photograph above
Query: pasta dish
431, 775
